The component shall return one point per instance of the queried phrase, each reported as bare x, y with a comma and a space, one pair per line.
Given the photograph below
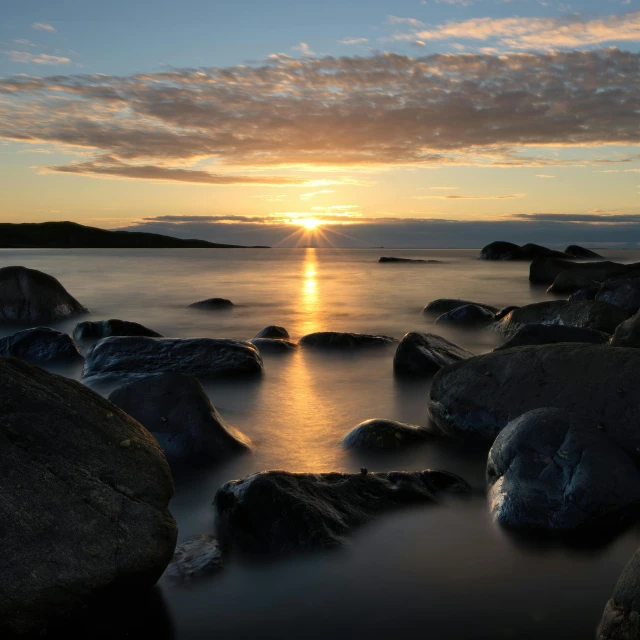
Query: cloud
25, 43
544, 175
354, 41
304, 49
313, 194
41, 58
42, 26
461, 197
410, 21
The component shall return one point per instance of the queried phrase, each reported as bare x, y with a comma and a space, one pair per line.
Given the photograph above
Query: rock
273, 332
509, 251
373, 435
79, 516
576, 251
28, 296
623, 293
570, 282
552, 470
40, 346
627, 333
338, 340
273, 345
392, 259
587, 314
444, 305
177, 411
280, 512
198, 557
423, 354
470, 315
589, 293
137, 357
621, 617
546, 270
86, 331
506, 311
475, 399
536, 334
212, 304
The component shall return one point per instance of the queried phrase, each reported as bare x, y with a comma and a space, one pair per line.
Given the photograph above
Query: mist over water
443, 572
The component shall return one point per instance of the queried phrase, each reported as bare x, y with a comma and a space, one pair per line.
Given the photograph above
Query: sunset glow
309, 223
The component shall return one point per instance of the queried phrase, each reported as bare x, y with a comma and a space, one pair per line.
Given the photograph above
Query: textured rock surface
508, 251
470, 315
196, 558
581, 253
623, 293
423, 354
273, 332
338, 340
86, 331
627, 333
40, 346
212, 304
444, 305
373, 435
570, 282
546, 270
533, 334
589, 293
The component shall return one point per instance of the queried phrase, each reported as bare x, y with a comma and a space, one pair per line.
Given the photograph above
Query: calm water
443, 573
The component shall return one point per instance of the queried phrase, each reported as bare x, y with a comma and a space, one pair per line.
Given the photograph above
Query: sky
413, 123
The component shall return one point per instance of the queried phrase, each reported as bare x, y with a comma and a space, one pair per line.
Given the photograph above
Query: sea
443, 573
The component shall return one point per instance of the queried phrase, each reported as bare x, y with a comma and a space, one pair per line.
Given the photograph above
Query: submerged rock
86, 331
280, 512
423, 354
80, 515
177, 411
546, 270
550, 469
476, 398
274, 345
581, 253
339, 340
40, 346
28, 296
623, 293
212, 304
508, 251
392, 259
444, 305
535, 334
627, 333
198, 557
137, 357
273, 332
470, 315
376, 434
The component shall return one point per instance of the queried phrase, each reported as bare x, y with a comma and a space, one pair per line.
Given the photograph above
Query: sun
309, 223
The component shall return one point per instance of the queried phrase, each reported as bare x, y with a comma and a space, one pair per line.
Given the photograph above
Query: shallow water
444, 572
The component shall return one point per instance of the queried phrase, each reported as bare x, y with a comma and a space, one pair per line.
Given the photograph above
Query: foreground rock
570, 282
423, 354
581, 253
136, 357
279, 512
585, 314
177, 411
624, 293
589, 293
28, 296
621, 617
552, 470
392, 259
470, 315
212, 304
508, 251
273, 345
374, 435
80, 512
444, 305
338, 340
545, 270
198, 557
535, 334
40, 346
273, 332
476, 398
86, 331
627, 333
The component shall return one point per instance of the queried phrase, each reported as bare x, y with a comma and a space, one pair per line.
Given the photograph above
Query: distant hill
69, 235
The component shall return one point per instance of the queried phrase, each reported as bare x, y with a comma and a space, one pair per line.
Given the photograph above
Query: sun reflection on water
310, 299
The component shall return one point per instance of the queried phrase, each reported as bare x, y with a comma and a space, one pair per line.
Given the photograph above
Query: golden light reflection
309, 303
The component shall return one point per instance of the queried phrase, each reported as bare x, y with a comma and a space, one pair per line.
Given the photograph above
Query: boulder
570, 282
444, 305
136, 357
476, 398
198, 557
374, 435
423, 354
581, 253
274, 345
627, 333
392, 259
338, 340
623, 293
273, 332
589, 293
586, 314
509, 251
85, 491
212, 304
177, 411
550, 469
532, 334
546, 270
506, 311
40, 346
28, 296
87, 331
279, 512
470, 315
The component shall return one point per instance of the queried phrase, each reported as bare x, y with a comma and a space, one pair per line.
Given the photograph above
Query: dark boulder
338, 340
198, 557
476, 398
550, 469
212, 304
589, 293
137, 357
85, 490
546, 270
506, 311
423, 354
444, 305
627, 333
509, 251
40, 346
581, 253
28, 296
470, 315
374, 435
273, 332
274, 345
623, 293
177, 411
570, 282
280, 512
87, 331
535, 334
392, 259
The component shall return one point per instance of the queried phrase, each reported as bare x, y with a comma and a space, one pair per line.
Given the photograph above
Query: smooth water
442, 572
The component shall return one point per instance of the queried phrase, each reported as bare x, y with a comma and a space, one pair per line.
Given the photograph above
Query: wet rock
589, 293
546, 270
199, 557
338, 340
476, 398
177, 411
623, 293
136, 357
506, 311
212, 304
273, 345
423, 354
40, 346
627, 333
552, 470
87, 331
586, 314
79, 516
570, 282
581, 253
470, 315
508, 251
273, 332
536, 334
392, 259
280, 512
28, 296
444, 305
374, 435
